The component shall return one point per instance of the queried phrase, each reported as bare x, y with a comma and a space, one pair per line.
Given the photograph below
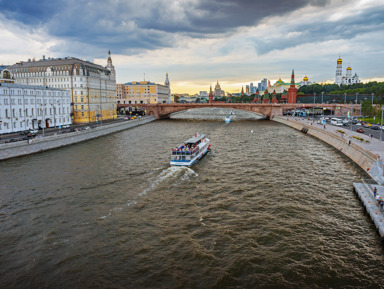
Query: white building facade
348, 78
25, 107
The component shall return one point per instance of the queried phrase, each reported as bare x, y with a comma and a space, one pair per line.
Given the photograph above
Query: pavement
373, 145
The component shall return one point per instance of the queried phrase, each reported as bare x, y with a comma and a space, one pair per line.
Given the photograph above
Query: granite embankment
11, 150
368, 157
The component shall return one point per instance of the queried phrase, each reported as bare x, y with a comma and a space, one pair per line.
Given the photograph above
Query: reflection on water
267, 207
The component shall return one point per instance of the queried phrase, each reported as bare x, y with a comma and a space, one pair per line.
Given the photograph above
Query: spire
166, 83
293, 79
109, 62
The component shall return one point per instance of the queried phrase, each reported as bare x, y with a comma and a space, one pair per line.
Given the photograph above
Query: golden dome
339, 61
349, 68
305, 78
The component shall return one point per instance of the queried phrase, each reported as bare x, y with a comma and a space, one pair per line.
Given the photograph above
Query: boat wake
173, 175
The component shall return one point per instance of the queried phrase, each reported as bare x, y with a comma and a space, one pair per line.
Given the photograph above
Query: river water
268, 207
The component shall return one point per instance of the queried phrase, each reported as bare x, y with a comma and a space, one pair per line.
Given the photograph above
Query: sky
200, 42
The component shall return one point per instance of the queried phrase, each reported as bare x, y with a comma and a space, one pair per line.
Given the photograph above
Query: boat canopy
195, 139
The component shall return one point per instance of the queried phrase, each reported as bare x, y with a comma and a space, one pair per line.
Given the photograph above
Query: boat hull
188, 163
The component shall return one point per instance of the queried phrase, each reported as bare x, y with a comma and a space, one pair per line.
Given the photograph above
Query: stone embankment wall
362, 157
11, 150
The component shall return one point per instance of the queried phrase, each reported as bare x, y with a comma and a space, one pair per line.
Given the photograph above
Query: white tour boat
190, 151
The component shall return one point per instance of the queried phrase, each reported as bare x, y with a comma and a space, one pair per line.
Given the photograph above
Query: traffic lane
52, 130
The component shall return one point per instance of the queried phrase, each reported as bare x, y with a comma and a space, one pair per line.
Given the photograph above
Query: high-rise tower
339, 72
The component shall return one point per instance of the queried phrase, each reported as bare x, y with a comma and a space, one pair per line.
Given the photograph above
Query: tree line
361, 88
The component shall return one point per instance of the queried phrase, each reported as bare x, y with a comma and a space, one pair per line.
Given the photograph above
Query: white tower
339, 71
110, 66
167, 84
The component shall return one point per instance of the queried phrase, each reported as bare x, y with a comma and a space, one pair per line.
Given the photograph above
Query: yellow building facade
142, 92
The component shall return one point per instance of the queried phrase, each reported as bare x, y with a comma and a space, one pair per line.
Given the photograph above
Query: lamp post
345, 98
43, 121
350, 116
322, 97
356, 96
381, 123
372, 98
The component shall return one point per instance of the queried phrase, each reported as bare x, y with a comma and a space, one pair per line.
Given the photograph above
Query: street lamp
381, 124
322, 97
356, 96
350, 115
372, 98
345, 98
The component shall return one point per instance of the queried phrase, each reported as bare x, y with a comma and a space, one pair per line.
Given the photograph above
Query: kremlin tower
274, 99
292, 90
210, 95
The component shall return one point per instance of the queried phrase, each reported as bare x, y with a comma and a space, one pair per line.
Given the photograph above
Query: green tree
367, 109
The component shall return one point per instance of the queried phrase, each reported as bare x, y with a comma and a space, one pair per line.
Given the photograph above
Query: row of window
32, 101
32, 92
40, 112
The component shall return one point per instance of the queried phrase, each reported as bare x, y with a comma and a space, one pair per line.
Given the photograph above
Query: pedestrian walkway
373, 145
371, 204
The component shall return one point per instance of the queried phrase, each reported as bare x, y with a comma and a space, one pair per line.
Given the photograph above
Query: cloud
128, 26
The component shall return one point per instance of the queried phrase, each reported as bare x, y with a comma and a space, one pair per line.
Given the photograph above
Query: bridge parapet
268, 110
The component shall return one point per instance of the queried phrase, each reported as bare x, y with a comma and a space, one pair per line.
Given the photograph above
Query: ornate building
25, 107
305, 81
218, 92
136, 92
348, 78
92, 87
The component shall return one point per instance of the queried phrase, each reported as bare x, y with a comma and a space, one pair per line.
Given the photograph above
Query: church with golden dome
305, 81
348, 78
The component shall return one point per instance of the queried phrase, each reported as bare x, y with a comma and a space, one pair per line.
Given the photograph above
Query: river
268, 207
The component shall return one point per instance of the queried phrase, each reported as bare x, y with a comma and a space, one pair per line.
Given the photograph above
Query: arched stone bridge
268, 110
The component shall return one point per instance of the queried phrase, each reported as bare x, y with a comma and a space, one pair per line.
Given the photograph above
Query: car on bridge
360, 130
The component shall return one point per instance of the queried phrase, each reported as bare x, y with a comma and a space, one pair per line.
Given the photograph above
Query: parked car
33, 131
66, 126
11, 140
360, 130
375, 127
73, 129
24, 132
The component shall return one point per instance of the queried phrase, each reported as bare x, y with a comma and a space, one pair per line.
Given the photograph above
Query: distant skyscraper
252, 88
264, 84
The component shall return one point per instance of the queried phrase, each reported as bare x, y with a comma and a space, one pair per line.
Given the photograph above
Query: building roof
23, 86
55, 62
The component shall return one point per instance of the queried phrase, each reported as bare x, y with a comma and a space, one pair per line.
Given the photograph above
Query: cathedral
348, 78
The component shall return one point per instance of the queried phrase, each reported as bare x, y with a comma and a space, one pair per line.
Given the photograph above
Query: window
82, 99
82, 107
